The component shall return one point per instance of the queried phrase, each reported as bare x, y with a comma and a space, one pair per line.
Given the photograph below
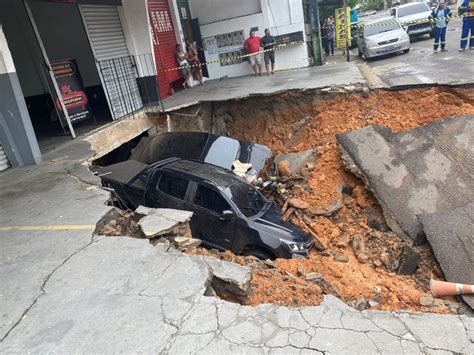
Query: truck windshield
412, 9
247, 198
380, 27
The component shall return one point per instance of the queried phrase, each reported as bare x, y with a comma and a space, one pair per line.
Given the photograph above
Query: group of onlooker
328, 35
252, 47
189, 63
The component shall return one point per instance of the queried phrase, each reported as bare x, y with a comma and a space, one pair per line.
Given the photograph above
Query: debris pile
162, 226
362, 257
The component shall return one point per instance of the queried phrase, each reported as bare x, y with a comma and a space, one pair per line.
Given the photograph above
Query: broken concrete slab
229, 278
162, 221
297, 161
424, 170
450, 234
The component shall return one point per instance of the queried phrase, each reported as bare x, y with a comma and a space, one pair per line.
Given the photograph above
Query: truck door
166, 191
208, 204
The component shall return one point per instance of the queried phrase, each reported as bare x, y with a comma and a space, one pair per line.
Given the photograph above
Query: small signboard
211, 45
72, 90
341, 22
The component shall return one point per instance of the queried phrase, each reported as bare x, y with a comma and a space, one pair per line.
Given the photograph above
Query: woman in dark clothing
194, 62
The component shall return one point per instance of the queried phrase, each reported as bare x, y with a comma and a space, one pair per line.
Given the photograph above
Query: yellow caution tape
296, 43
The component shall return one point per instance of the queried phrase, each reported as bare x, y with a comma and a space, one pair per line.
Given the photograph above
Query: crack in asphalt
43, 287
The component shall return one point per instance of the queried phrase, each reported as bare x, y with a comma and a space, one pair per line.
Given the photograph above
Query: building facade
70, 66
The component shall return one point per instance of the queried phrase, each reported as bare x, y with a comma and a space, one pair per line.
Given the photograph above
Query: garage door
164, 44
116, 66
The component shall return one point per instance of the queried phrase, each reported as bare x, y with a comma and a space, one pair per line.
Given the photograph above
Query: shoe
435, 51
471, 48
444, 50
461, 49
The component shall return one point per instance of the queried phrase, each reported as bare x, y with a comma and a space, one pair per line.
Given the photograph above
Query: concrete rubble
157, 222
424, 170
451, 235
294, 162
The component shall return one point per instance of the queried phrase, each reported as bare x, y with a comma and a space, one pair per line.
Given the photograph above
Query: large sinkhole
362, 255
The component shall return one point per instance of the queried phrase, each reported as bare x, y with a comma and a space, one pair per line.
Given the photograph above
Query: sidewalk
295, 79
66, 292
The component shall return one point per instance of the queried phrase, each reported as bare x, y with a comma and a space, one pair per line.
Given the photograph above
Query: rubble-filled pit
297, 121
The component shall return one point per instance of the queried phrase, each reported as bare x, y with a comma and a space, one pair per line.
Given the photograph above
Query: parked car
229, 213
415, 18
205, 147
382, 36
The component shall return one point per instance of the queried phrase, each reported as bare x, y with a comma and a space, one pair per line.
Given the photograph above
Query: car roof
383, 19
211, 173
411, 4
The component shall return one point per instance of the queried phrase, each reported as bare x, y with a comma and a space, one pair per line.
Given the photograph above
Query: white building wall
137, 31
281, 16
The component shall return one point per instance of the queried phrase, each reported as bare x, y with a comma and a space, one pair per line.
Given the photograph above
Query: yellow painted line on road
48, 228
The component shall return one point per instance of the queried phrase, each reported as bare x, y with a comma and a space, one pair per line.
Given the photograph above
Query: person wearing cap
441, 16
252, 47
466, 10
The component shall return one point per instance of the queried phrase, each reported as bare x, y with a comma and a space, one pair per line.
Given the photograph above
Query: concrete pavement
64, 291
423, 67
296, 79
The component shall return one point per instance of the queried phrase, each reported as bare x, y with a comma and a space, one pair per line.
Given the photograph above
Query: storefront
219, 28
80, 64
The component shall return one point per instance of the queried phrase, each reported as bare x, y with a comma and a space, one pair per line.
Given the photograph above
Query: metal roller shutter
116, 66
164, 44
4, 163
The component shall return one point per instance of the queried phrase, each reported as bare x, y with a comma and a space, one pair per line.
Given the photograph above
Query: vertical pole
347, 23
49, 68
316, 33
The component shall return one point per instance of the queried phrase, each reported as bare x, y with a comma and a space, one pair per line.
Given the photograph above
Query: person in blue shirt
466, 10
441, 16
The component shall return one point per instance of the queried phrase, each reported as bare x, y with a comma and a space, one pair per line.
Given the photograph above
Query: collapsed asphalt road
360, 256
421, 171
64, 291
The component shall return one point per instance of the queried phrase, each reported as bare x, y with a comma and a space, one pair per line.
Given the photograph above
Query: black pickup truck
228, 212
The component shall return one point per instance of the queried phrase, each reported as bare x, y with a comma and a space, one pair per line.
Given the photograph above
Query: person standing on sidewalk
268, 42
441, 16
467, 11
252, 47
331, 33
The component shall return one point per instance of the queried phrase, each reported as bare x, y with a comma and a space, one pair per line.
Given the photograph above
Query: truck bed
121, 172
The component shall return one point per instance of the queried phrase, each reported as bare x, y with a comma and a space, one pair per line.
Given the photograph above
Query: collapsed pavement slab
162, 221
124, 295
451, 235
424, 170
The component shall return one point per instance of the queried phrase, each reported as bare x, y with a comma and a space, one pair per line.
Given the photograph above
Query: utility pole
347, 23
316, 33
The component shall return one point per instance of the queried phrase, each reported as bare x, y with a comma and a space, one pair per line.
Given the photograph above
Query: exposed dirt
293, 122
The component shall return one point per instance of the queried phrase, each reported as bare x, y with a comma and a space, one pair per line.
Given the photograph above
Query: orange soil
293, 122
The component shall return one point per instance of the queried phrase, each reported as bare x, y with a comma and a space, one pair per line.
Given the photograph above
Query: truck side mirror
227, 215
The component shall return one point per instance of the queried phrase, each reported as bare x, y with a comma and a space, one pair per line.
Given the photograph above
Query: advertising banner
341, 21
72, 90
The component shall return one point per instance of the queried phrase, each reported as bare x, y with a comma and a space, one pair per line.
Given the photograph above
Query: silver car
382, 36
